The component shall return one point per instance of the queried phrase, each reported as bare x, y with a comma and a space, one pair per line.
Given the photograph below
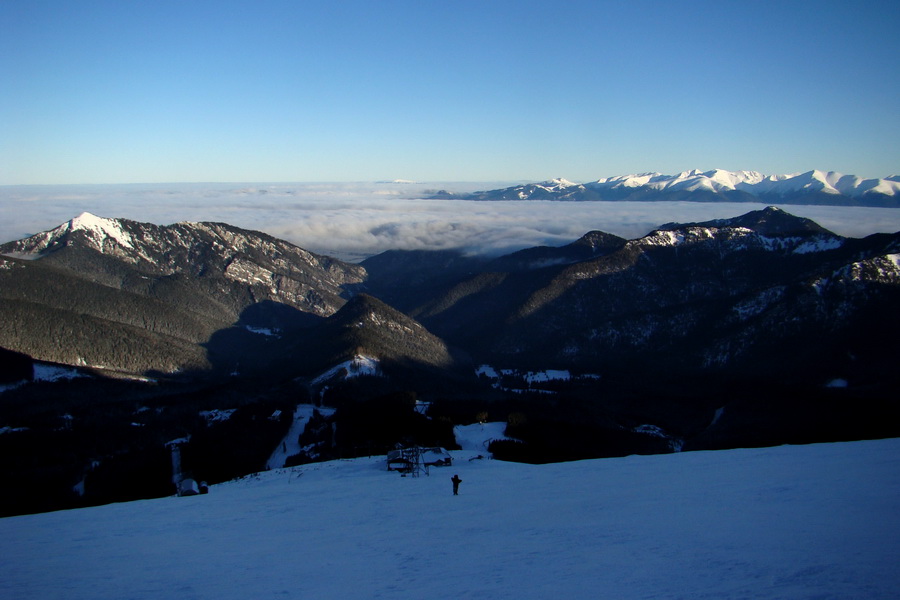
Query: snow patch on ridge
879, 269
820, 244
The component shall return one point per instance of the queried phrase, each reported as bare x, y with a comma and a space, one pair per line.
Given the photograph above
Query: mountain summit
770, 221
144, 257
151, 297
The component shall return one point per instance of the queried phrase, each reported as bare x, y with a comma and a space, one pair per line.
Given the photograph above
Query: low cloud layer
352, 221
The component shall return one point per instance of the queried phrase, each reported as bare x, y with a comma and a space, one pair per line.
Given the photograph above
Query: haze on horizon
111, 92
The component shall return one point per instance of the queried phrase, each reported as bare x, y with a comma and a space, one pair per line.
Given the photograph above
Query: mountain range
761, 329
811, 187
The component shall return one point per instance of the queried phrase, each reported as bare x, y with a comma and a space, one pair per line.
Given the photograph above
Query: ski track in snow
290, 445
818, 521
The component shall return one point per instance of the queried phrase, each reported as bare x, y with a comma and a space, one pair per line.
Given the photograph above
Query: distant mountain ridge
717, 185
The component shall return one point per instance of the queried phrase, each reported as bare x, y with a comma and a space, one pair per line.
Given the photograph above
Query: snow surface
217, 415
819, 521
548, 375
355, 367
478, 436
488, 371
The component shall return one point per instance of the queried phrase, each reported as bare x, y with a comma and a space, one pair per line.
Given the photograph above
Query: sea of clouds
356, 220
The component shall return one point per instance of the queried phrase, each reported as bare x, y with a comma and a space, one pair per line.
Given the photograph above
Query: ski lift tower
413, 457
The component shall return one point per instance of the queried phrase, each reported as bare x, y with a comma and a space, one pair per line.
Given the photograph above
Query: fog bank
355, 220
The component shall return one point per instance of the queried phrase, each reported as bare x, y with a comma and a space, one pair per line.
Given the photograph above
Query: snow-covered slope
789, 522
755, 183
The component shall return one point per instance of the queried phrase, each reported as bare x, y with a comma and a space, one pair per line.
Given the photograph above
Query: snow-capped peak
97, 231
100, 228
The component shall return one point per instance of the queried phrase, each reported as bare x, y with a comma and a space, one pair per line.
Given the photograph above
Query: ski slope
818, 521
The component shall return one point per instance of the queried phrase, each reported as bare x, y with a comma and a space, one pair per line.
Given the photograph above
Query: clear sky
487, 90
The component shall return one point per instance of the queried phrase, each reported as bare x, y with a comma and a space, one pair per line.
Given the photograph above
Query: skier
456, 481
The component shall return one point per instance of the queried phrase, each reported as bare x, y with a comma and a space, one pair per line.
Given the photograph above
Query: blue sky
105, 92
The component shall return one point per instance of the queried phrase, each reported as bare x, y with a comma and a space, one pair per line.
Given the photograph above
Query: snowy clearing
478, 436
46, 372
818, 521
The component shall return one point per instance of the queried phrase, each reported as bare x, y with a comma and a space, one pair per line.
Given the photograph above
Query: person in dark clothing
456, 481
